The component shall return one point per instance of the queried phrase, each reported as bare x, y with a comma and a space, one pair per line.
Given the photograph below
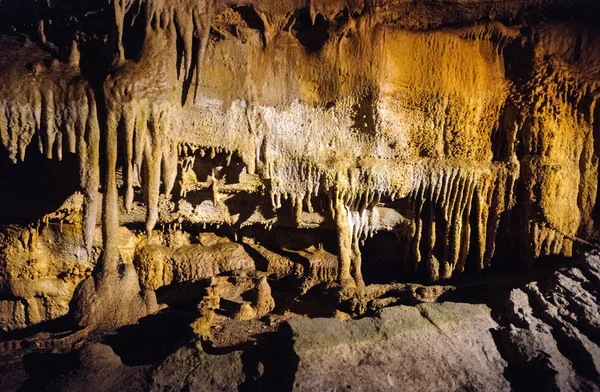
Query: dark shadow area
249, 15
261, 262
35, 187
251, 367
182, 296
269, 363
252, 19
319, 301
134, 32
280, 362
227, 308
243, 204
285, 289
187, 80
382, 258
153, 339
43, 369
523, 375
581, 359
311, 36
59, 325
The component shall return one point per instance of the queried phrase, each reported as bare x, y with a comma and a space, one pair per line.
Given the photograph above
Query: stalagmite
344, 239
264, 302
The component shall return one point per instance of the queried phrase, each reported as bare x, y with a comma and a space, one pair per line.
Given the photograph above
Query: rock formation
251, 160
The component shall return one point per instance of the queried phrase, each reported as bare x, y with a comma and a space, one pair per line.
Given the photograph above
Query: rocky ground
537, 331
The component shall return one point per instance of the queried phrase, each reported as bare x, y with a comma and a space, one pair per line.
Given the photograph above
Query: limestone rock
39, 270
158, 265
264, 300
100, 369
113, 301
468, 131
551, 336
430, 346
245, 312
341, 117
196, 370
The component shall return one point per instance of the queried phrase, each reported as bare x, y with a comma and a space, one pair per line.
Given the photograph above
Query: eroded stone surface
430, 346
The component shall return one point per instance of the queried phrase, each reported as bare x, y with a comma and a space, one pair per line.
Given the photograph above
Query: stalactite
451, 197
56, 104
190, 18
146, 116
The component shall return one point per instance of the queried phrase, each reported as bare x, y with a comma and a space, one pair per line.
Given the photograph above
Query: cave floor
161, 352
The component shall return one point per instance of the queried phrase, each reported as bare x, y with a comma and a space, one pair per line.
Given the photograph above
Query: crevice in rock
523, 375
153, 339
310, 30
565, 336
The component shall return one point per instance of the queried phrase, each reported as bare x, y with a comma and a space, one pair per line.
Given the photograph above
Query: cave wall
457, 127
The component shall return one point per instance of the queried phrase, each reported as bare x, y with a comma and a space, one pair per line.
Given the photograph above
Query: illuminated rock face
347, 117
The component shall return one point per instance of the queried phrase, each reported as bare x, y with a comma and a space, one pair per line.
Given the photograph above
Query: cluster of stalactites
547, 240
358, 187
496, 32
148, 142
150, 151
352, 193
558, 133
450, 204
190, 18
297, 182
58, 106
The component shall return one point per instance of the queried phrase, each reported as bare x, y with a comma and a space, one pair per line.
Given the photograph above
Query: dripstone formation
239, 165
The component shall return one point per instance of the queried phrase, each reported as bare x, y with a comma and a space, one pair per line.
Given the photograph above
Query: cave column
110, 213
344, 239
357, 261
